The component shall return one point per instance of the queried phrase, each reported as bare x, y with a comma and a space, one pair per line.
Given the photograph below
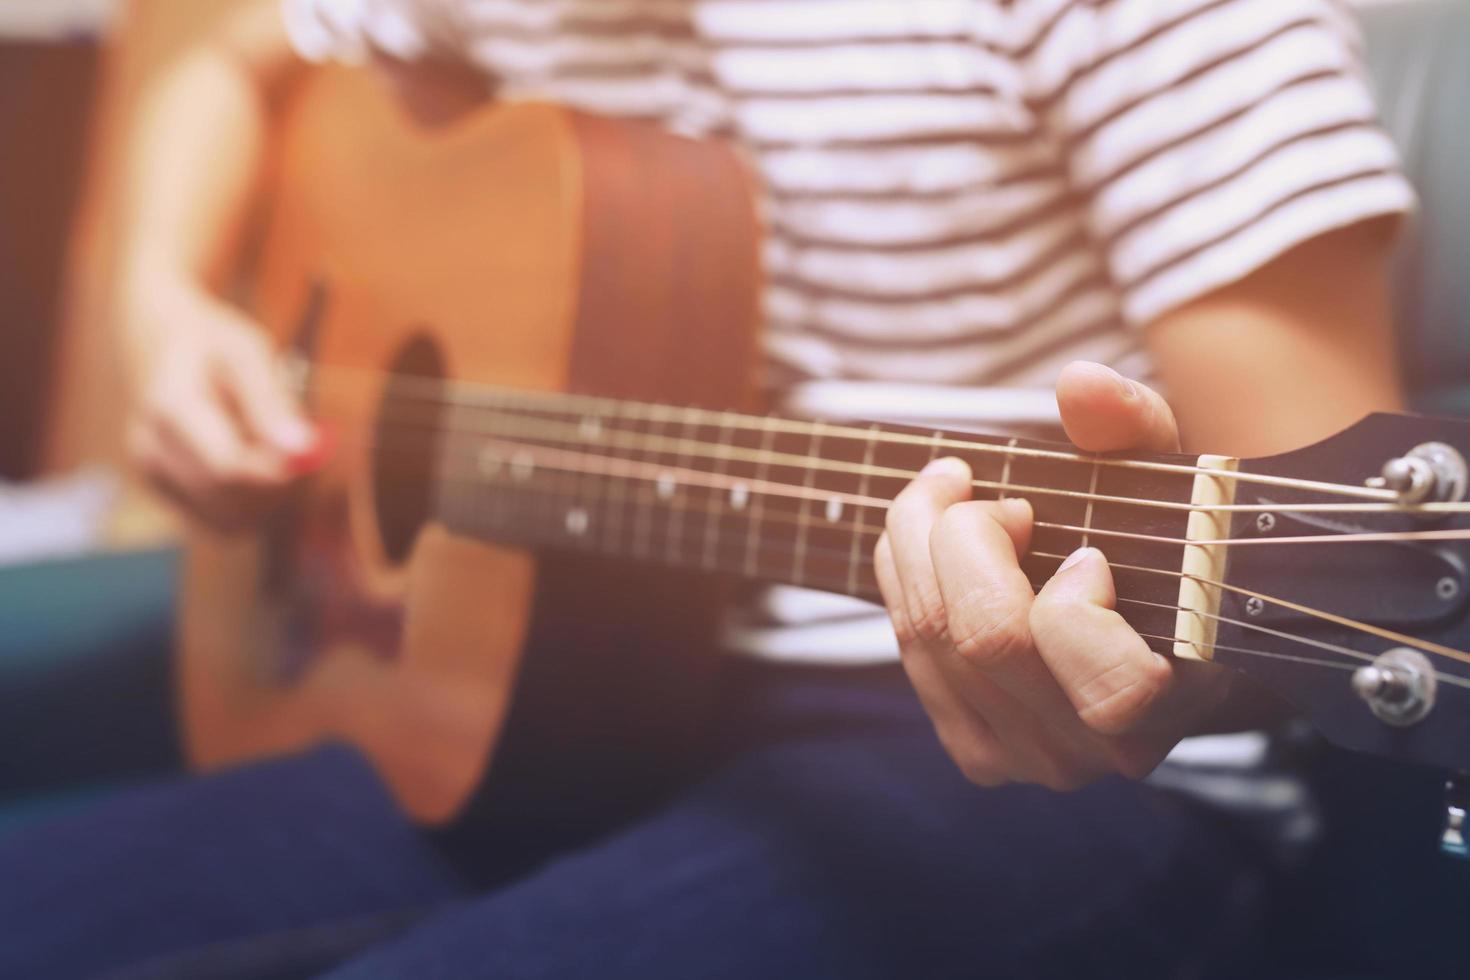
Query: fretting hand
1051, 688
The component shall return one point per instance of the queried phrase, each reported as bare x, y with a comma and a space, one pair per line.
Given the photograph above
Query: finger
172, 474
271, 416
910, 518
198, 425
967, 737
988, 598
1015, 743
1108, 673
1103, 411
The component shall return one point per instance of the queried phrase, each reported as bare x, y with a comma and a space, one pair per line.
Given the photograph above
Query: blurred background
70, 72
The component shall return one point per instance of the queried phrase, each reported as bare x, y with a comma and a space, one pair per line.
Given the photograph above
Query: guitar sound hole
406, 443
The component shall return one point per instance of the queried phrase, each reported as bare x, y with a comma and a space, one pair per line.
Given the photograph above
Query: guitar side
526, 246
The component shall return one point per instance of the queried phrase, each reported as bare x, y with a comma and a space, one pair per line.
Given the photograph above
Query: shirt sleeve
346, 30
1206, 137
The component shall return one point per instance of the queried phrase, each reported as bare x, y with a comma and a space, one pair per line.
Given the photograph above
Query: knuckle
903, 630
989, 632
931, 625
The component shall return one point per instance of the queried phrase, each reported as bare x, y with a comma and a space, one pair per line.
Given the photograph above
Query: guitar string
1427, 646
1345, 537
782, 549
777, 488
662, 445
1310, 661
488, 395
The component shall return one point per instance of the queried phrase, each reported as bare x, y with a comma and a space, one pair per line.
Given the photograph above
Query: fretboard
782, 500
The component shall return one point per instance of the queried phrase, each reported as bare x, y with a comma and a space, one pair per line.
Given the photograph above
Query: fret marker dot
739, 496
834, 510
591, 428
666, 485
522, 465
491, 461
577, 521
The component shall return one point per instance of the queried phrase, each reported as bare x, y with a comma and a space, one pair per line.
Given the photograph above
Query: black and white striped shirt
961, 192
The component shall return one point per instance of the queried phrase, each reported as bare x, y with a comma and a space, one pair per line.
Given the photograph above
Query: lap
828, 836
855, 851
179, 873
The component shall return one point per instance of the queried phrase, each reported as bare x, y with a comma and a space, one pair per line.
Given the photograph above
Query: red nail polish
314, 458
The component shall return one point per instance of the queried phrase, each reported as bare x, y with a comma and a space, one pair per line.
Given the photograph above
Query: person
959, 195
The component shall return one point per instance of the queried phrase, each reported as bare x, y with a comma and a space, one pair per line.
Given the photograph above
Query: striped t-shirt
956, 192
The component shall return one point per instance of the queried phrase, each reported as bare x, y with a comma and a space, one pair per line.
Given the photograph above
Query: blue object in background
86, 690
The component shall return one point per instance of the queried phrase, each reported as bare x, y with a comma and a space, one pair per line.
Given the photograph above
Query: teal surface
86, 690
75, 607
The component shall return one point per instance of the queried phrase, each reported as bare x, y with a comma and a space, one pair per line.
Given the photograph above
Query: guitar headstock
1368, 630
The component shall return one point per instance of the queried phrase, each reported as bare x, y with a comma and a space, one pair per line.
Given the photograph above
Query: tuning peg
1433, 471
1398, 686
1408, 476
1456, 802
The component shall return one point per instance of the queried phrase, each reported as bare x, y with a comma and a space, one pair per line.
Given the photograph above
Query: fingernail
1078, 557
295, 437
1126, 388
946, 465
317, 452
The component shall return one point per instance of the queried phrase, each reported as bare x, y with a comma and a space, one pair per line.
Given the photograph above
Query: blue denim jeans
822, 833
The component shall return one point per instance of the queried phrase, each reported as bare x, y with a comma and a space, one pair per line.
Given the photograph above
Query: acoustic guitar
531, 334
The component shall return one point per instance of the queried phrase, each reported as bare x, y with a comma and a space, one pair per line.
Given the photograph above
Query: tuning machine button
1456, 803
1432, 471
1399, 686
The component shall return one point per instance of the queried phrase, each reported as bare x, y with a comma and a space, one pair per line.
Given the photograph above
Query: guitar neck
783, 500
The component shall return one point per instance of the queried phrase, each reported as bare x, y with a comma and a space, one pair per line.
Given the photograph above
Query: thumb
1103, 411
269, 410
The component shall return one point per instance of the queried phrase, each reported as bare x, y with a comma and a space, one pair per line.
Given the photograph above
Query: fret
1105, 515
594, 432
671, 494
776, 499
643, 492
757, 501
859, 514
576, 515
784, 548
719, 501
1092, 492
1005, 469
798, 559
827, 513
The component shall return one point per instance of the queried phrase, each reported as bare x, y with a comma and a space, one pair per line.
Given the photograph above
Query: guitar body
526, 246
